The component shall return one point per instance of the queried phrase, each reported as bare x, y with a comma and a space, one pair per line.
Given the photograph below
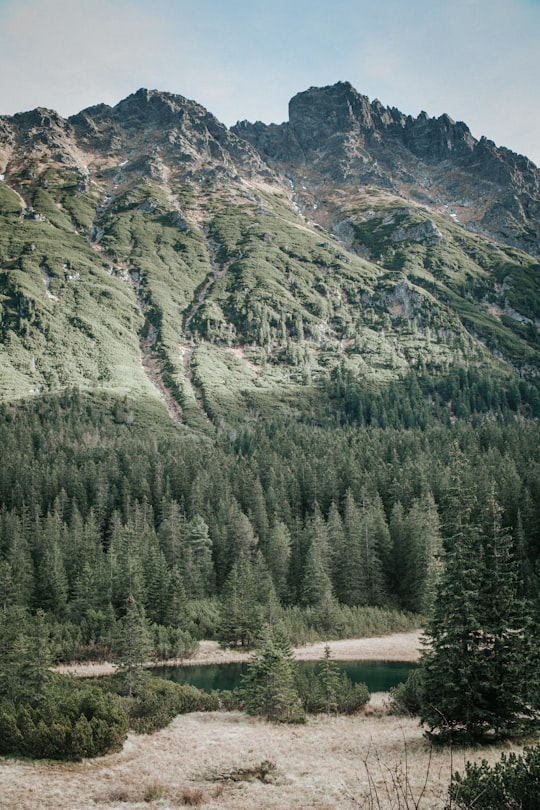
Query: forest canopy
330, 525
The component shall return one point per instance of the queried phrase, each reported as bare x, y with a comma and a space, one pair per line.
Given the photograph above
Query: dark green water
380, 676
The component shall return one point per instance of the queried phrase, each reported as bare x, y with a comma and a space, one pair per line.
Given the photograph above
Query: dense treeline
422, 399
217, 537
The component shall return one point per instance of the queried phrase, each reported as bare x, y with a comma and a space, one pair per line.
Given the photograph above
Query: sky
476, 60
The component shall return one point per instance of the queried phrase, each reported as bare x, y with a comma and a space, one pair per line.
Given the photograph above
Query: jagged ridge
335, 135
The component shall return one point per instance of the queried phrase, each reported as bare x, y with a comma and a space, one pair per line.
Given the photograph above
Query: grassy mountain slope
146, 250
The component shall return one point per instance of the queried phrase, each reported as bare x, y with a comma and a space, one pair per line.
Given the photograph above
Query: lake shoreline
331, 762
394, 647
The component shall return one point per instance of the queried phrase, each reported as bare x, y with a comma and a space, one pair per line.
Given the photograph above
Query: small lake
380, 676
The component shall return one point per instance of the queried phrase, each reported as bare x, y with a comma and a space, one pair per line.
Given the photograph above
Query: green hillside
253, 308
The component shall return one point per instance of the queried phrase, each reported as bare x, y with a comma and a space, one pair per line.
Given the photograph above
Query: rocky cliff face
337, 136
163, 126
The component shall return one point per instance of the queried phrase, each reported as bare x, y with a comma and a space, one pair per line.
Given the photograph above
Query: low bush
154, 792
171, 642
306, 624
405, 697
67, 724
511, 784
157, 701
346, 697
230, 700
192, 797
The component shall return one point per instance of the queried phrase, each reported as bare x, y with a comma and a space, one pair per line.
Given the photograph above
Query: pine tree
126, 575
476, 670
157, 578
335, 535
269, 688
131, 644
14, 643
364, 554
36, 657
278, 554
241, 614
171, 532
176, 601
51, 586
351, 576
508, 668
316, 585
451, 664
197, 566
19, 558
424, 525
330, 680
417, 553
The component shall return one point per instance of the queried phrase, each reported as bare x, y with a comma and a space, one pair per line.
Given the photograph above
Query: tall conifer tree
477, 667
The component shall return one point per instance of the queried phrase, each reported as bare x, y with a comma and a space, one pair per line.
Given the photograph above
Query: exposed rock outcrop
335, 134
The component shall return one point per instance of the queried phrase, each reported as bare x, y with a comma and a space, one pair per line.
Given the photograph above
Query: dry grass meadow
232, 762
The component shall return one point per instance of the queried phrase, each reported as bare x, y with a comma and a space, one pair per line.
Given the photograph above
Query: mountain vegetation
237, 367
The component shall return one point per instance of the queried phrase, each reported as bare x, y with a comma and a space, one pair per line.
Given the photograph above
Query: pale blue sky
477, 60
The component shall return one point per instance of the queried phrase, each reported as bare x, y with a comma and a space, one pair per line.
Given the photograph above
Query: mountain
336, 137
147, 250
257, 374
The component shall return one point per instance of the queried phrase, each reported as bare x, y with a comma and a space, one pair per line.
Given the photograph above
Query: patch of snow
124, 162
2, 176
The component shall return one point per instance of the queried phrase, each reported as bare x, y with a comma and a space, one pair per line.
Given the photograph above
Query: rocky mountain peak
158, 107
336, 135
320, 113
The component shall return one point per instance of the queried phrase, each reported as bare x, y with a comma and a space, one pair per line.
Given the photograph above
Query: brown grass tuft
192, 797
116, 795
155, 792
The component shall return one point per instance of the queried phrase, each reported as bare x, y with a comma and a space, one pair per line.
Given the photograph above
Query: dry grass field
232, 762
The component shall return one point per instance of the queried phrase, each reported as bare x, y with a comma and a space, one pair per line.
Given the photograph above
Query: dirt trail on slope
152, 369
186, 350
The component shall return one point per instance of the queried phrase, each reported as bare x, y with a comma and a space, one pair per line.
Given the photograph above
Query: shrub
68, 724
348, 697
202, 618
511, 784
154, 792
305, 624
351, 696
405, 698
192, 797
158, 701
310, 690
171, 642
230, 700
